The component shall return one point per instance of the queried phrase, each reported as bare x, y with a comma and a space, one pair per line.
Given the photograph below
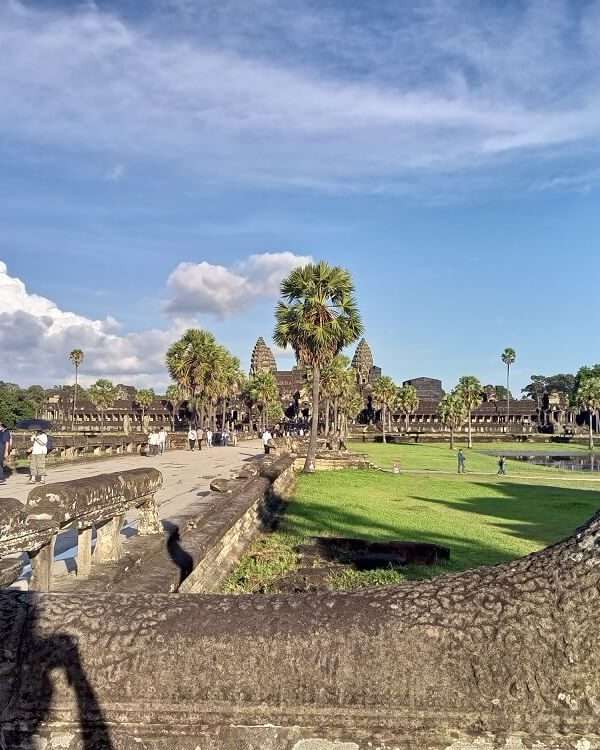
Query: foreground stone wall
502, 657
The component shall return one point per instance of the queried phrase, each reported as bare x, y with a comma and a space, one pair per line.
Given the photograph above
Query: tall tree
76, 358
407, 402
190, 362
262, 390
588, 397
144, 398
471, 392
174, 396
103, 395
452, 412
509, 357
384, 393
317, 317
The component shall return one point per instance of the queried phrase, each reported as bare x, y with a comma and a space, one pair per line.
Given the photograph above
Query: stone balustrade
497, 657
98, 502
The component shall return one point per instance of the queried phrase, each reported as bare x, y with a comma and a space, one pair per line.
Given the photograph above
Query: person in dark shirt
5, 447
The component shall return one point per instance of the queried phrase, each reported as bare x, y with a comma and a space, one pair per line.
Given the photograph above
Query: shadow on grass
536, 515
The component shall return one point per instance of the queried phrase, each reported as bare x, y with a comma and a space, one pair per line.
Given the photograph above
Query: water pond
563, 460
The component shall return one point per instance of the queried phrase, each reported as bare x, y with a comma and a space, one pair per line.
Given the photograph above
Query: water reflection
586, 462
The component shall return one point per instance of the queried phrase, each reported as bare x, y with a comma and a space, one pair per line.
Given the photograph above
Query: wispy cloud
116, 173
331, 99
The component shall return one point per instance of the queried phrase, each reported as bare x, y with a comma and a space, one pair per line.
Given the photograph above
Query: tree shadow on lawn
537, 515
465, 552
540, 513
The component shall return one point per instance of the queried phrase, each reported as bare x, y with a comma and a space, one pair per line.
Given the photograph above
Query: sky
164, 164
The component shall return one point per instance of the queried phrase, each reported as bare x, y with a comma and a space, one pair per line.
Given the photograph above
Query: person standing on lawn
5, 448
37, 460
461, 461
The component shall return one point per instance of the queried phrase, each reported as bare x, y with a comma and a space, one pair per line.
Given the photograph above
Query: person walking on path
209, 437
37, 461
5, 448
162, 440
225, 437
192, 436
502, 466
267, 439
461, 461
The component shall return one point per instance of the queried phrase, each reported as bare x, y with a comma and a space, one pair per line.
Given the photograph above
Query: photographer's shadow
24, 721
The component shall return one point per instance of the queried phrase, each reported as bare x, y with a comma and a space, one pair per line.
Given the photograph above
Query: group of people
157, 442
198, 436
40, 444
461, 458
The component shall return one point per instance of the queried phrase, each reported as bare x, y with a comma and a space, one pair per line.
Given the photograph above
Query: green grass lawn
431, 457
483, 520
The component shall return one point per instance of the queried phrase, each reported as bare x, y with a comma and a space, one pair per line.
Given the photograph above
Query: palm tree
174, 396
470, 391
262, 389
191, 362
317, 317
76, 357
144, 398
452, 412
384, 393
407, 400
103, 395
508, 357
588, 397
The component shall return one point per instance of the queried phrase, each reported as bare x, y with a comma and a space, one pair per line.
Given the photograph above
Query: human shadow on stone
182, 559
42, 667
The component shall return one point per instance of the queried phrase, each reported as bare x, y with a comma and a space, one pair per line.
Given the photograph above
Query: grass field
482, 519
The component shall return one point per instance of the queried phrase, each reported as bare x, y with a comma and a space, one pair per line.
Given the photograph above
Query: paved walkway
186, 479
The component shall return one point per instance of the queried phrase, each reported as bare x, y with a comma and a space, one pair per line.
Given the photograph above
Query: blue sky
164, 164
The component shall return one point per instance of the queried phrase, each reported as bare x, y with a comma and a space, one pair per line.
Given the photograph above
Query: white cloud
197, 288
116, 173
36, 337
303, 97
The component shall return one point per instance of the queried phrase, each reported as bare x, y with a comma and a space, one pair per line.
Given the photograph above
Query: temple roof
363, 357
262, 358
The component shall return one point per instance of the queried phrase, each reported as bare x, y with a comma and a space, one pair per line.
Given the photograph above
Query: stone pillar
108, 541
41, 567
148, 522
84, 552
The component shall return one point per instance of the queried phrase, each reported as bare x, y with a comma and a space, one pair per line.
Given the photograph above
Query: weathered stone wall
502, 657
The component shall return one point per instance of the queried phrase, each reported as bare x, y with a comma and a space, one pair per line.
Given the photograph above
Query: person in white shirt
153, 443
162, 440
267, 438
209, 437
37, 461
192, 435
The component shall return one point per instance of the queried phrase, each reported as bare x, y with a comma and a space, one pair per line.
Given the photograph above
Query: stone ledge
501, 657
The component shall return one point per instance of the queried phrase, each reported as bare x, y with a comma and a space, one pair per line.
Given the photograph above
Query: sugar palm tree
509, 357
76, 358
317, 317
103, 395
144, 398
588, 397
190, 362
470, 391
174, 396
407, 401
452, 412
384, 393
262, 390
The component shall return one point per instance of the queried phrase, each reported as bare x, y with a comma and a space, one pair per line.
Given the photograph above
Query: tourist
234, 438
162, 440
153, 443
461, 461
267, 439
209, 438
5, 448
200, 438
37, 460
192, 436
502, 465
225, 437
